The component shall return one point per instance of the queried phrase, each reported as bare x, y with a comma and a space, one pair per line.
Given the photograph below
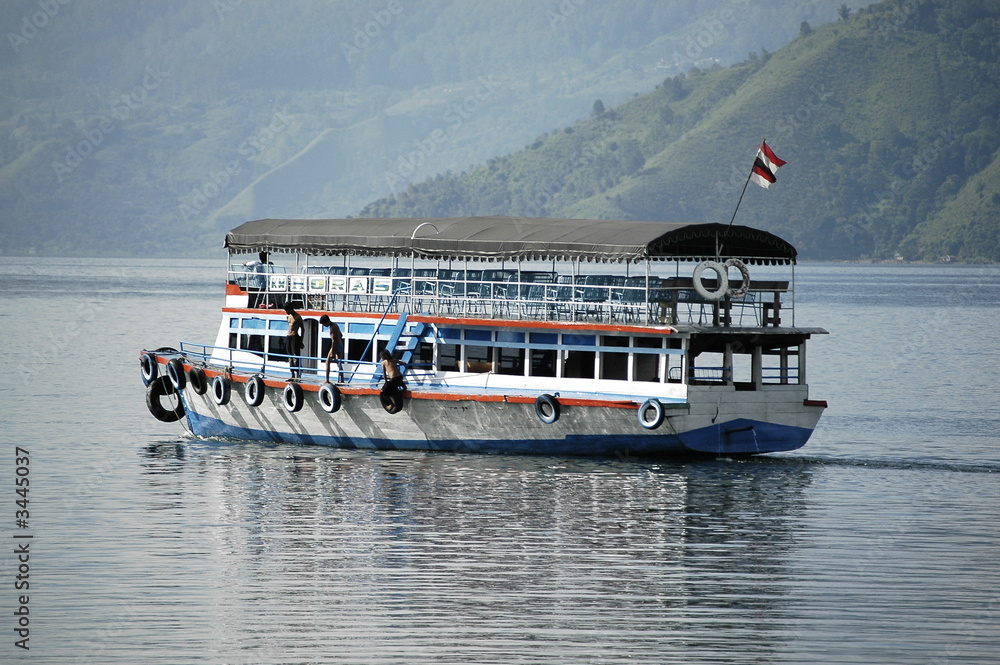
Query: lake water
878, 542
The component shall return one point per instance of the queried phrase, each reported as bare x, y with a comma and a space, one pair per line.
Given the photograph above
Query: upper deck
522, 295
599, 271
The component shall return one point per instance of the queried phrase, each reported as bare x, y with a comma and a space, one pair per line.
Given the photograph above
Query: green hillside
152, 127
889, 122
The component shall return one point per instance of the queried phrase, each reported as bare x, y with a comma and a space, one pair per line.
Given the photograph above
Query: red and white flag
765, 166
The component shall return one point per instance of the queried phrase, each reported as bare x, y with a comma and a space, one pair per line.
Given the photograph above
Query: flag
765, 166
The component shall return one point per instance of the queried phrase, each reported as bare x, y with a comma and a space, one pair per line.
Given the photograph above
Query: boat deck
515, 295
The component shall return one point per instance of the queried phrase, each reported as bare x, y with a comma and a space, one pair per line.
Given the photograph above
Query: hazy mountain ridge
153, 127
889, 121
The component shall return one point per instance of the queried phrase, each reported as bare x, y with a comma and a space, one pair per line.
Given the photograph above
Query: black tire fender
291, 396
253, 393
391, 397
329, 398
547, 408
175, 370
197, 380
651, 414
221, 390
159, 388
149, 368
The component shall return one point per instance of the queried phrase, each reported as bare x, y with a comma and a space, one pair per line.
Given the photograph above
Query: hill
889, 121
153, 127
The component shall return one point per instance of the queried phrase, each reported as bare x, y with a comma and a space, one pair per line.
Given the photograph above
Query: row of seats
510, 284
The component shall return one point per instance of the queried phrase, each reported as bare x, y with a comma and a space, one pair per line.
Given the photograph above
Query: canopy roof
510, 238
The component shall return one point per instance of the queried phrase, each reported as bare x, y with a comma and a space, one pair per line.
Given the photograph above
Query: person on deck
257, 283
390, 371
293, 340
391, 394
336, 351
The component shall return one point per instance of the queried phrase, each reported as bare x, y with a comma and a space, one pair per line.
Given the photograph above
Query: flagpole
741, 199
749, 175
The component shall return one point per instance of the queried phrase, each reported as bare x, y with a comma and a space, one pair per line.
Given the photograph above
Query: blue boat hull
430, 425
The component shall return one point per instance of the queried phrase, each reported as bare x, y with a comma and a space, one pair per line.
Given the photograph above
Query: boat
510, 334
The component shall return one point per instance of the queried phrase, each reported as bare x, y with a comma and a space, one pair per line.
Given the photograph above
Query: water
876, 543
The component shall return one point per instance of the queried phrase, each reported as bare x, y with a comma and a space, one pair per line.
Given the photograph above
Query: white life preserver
329, 398
720, 270
254, 392
654, 408
744, 274
221, 392
292, 397
547, 409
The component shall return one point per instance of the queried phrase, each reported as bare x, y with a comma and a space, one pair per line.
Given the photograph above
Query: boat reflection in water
497, 555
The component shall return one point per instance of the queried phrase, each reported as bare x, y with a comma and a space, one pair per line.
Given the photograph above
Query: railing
724, 374
510, 294
341, 371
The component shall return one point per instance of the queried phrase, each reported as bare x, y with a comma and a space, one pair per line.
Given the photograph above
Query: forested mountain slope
889, 122
154, 126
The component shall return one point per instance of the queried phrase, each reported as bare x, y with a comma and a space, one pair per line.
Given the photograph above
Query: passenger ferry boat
513, 335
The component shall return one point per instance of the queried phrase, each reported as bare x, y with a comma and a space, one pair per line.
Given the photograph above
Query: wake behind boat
511, 335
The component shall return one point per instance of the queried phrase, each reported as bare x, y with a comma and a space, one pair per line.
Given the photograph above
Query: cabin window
614, 364
356, 349
479, 335
478, 358
424, 354
647, 365
543, 362
579, 364
448, 356
365, 329
276, 344
508, 337
278, 324
253, 343
510, 361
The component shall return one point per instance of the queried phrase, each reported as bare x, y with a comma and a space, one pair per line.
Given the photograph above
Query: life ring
196, 377
148, 368
292, 397
651, 407
329, 398
254, 392
720, 270
175, 370
547, 409
744, 275
391, 397
221, 391
158, 389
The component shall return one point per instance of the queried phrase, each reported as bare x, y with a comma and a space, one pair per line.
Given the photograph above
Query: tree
844, 12
598, 108
805, 29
